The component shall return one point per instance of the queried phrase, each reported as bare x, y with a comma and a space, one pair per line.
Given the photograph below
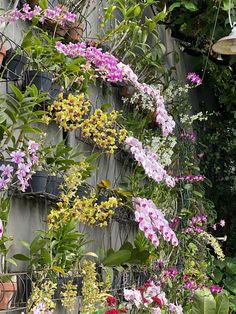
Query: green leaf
190, 6
188, 186
137, 10
10, 260
46, 256
127, 246
218, 275
17, 92
104, 107
27, 41
230, 283
203, 302
198, 194
231, 268
43, 4
25, 244
58, 269
37, 244
173, 6
21, 257
117, 258
222, 303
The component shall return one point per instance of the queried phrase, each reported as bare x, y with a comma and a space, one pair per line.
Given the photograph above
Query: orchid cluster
174, 92
69, 112
164, 146
162, 118
40, 300
190, 178
148, 159
151, 220
221, 224
150, 299
191, 136
102, 128
105, 64
109, 68
196, 224
171, 273
188, 120
140, 99
194, 78
24, 162
57, 14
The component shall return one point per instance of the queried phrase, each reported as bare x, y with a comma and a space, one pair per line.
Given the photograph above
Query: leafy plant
58, 251
205, 303
129, 254
132, 31
45, 57
19, 116
224, 274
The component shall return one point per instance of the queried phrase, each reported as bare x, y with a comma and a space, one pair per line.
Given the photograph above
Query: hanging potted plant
75, 32
50, 70
13, 65
8, 285
41, 64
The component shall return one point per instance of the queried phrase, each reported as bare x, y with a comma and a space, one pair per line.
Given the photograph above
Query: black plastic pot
53, 185
83, 190
53, 93
13, 65
38, 182
42, 80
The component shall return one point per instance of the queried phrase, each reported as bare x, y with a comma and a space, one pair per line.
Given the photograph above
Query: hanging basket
13, 65
75, 32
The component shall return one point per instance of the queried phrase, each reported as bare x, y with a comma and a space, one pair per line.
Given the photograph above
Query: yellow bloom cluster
86, 209
69, 296
90, 212
74, 177
92, 294
214, 244
102, 128
40, 300
69, 112
72, 180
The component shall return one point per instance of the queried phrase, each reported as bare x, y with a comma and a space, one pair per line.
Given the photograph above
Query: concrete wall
29, 214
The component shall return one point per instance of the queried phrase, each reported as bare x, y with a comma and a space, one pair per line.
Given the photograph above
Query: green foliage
59, 251
129, 254
132, 32
205, 303
45, 57
20, 116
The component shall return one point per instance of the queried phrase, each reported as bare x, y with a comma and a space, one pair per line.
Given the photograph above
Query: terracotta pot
53, 26
3, 52
127, 91
7, 290
75, 32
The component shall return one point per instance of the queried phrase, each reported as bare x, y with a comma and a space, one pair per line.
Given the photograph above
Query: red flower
147, 284
145, 300
111, 300
141, 289
112, 311
158, 301
123, 310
